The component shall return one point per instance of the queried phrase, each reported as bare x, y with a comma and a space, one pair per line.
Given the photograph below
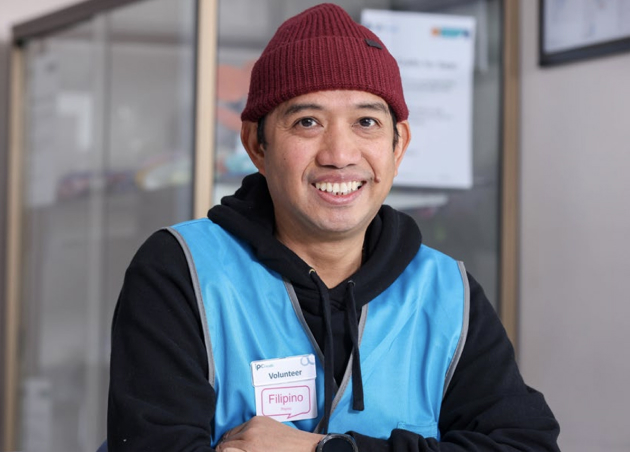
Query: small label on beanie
373, 43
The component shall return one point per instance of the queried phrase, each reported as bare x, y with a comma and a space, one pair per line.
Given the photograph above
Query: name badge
285, 387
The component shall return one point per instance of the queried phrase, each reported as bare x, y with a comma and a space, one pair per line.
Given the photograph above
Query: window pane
109, 145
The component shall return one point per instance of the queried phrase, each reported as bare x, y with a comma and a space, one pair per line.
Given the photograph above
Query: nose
339, 147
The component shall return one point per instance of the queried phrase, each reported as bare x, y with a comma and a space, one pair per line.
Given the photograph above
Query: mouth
339, 188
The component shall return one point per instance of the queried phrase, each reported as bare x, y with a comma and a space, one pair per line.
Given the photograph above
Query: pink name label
285, 388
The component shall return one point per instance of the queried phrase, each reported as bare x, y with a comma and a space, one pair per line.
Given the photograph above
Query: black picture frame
582, 49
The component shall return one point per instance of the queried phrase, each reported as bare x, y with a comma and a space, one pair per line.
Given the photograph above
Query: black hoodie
160, 398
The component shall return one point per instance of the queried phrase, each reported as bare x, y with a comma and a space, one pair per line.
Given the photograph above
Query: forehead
332, 101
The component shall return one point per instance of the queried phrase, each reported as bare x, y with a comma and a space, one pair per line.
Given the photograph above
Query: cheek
284, 171
292, 165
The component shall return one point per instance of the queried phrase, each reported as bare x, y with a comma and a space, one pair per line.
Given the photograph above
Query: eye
367, 122
306, 122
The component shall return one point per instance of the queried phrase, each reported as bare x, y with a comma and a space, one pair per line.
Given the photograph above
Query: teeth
336, 188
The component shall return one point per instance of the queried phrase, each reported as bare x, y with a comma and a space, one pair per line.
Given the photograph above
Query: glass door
108, 159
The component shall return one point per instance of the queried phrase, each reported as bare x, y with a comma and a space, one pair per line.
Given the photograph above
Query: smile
336, 188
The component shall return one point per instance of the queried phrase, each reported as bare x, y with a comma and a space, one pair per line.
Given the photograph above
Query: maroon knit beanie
321, 49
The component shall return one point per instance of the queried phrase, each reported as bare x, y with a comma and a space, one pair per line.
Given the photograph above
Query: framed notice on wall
579, 29
435, 53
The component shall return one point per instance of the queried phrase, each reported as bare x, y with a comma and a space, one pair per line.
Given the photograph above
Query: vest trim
348, 372
464, 333
300, 315
198, 295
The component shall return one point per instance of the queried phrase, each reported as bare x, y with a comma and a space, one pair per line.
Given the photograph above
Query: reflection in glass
109, 120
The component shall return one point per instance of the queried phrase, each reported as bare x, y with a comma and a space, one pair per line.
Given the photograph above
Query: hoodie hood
391, 242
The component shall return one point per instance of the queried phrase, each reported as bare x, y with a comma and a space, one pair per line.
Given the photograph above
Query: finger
236, 430
231, 446
230, 433
228, 449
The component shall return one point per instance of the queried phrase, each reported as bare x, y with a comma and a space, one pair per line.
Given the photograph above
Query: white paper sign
435, 53
285, 388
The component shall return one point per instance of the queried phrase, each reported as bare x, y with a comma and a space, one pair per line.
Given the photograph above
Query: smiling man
303, 314
329, 160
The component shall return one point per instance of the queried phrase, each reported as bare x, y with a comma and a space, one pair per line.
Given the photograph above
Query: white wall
575, 241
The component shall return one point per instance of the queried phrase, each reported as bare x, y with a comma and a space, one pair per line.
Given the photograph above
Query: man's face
329, 162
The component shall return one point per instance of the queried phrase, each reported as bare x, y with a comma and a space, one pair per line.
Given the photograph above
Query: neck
334, 261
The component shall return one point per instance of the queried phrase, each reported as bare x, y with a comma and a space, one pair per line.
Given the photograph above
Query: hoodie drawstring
328, 349
353, 328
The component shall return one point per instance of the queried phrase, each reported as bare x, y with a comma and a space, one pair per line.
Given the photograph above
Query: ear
249, 138
404, 130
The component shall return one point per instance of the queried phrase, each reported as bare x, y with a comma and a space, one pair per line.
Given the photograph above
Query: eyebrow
296, 108
379, 106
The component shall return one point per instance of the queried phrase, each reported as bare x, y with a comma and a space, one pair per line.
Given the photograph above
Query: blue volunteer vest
411, 335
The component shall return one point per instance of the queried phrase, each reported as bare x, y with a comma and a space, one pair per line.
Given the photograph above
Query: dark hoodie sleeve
487, 406
159, 395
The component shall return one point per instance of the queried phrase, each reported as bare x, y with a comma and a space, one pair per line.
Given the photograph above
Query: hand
263, 434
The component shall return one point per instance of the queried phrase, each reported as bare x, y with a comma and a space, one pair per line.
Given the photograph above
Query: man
303, 314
